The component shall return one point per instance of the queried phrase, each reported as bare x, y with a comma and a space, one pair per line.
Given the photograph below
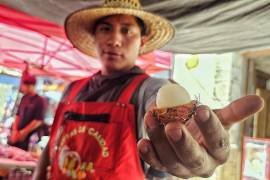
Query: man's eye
104, 29
126, 31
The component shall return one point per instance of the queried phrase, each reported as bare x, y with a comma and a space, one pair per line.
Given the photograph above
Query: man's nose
115, 39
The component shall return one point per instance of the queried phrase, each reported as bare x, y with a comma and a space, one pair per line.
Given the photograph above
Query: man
30, 114
100, 119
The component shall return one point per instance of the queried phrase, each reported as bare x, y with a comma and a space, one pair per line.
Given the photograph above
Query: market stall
16, 163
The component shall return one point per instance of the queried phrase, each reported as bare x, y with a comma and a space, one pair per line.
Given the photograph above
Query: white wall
210, 80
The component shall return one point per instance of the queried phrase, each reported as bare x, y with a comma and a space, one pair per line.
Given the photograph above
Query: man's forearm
30, 127
44, 161
15, 123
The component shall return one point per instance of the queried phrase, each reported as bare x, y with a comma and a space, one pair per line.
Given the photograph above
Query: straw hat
79, 24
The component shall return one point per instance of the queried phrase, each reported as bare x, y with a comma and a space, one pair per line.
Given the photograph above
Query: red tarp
43, 45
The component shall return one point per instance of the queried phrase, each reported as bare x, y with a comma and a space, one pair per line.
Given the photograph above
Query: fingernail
144, 149
175, 134
202, 114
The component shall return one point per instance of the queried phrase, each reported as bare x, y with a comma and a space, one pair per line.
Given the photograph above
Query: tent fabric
202, 26
42, 44
14, 18
219, 26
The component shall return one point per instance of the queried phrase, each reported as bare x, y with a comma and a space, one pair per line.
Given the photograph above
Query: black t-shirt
30, 108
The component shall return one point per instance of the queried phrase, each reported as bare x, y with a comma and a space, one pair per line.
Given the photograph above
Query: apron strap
58, 119
127, 93
76, 88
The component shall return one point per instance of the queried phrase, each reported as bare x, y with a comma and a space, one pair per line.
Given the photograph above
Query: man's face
118, 40
25, 88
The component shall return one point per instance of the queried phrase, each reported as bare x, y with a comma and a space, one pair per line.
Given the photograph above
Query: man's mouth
112, 53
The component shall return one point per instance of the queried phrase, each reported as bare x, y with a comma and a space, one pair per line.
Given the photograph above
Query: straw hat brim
78, 26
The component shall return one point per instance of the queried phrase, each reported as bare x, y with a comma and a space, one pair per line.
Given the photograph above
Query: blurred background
220, 52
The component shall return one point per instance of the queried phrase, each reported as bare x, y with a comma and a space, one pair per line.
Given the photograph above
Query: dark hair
138, 20
141, 25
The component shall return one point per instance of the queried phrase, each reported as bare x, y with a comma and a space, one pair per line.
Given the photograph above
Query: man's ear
144, 39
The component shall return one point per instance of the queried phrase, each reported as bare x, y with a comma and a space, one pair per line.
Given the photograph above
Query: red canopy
43, 45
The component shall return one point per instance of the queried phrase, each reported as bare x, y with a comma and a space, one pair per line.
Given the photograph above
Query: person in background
30, 114
98, 128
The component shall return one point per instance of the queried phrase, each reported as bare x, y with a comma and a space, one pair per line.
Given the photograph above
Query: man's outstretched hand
171, 147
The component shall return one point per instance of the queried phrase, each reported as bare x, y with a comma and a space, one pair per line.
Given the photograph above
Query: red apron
96, 140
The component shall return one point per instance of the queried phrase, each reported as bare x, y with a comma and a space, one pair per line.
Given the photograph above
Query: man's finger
240, 109
161, 145
148, 154
216, 138
192, 156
